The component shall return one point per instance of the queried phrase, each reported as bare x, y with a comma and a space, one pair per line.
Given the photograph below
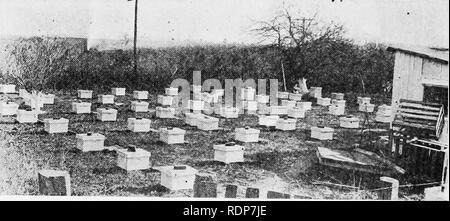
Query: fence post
394, 185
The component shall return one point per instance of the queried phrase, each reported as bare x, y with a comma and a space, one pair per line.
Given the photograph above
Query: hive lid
91, 136
322, 129
247, 130
224, 147
107, 110
177, 170
173, 131
137, 153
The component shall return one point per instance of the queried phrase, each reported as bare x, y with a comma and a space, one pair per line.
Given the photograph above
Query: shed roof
438, 54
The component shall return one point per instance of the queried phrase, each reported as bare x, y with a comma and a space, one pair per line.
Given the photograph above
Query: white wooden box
288, 103
191, 118
338, 102
8, 108
263, 109
296, 112
7, 88
228, 153
178, 179
171, 91
337, 96
365, 107
278, 110
60, 125
268, 121
322, 133
48, 98
139, 106
81, 107
140, 95
90, 142
315, 92
165, 100
349, 122
295, 96
165, 112
261, 98
205, 122
283, 95
106, 99
106, 114
248, 94
27, 116
363, 100
247, 135
323, 101
230, 112
118, 91
286, 124
306, 105
172, 135
84, 94
129, 160
336, 110
138, 124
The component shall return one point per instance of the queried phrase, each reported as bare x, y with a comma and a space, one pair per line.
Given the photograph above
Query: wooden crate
27, 116
106, 114
90, 142
315, 92
205, 122
322, 133
296, 112
247, 135
178, 177
268, 121
84, 94
165, 100
106, 99
172, 135
118, 91
165, 112
140, 95
139, 106
323, 101
228, 153
286, 124
336, 110
133, 159
8, 108
60, 125
81, 107
349, 122
191, 119
138, 124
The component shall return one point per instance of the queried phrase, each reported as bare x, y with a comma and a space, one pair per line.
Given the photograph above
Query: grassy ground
283, 161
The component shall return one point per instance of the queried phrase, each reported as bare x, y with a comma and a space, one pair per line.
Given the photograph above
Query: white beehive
286, 124
191, 118
140, 95
366, 107
295, 96
251, 105
323, 101
106, 114
7, 88
172, 135
337, 96
228, 153
90, 142
165, 112
296, 112
84, 94
338, 102
268, 121
138, 124
305, 105
81, 107
278, 110
263, 109
207, 97
288, 103
336, 110
283, 95
322, 133
60, 125
133, 159
248, 93
8, 108
196, 105
363, 100
106, 99
47, 98
205, 122
180, 177
315, 92
139, 106
247, 135
165, 100
230, 112
171, 91
263, 99
27, 116
118, 91
349, 122
24, 93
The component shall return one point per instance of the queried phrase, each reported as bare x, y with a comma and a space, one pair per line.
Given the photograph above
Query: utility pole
135, 38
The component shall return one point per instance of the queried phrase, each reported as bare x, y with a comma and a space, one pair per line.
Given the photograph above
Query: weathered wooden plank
423, 117
420, 102
54, 183
418, 106
420, 112
415, 125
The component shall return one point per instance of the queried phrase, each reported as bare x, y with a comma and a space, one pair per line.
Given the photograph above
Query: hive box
315, 92
338, 102
90, 142
118, 91
323, 101
349, 122
47, 98
336, 110
261, 98
306, 105
205, 122
140, 95
263, 109
365, 107
60, 125
172, 135
230, 112
139, 106
278, 110
7, 88
8, 108
268, 121
34, 102
283, 95
106, 99
337, 96
84, 94
106, 114
247, 135
178, 177
322, 133
295, 96
27, 116
286, 124
81, 108
138, 124
165, 112
296, 112
138, 159
248, 94
191, 118
165, 100
171, 91
288, 103
363, 100
228, 153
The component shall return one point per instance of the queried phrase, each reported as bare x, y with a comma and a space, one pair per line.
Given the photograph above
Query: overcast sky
423, 22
